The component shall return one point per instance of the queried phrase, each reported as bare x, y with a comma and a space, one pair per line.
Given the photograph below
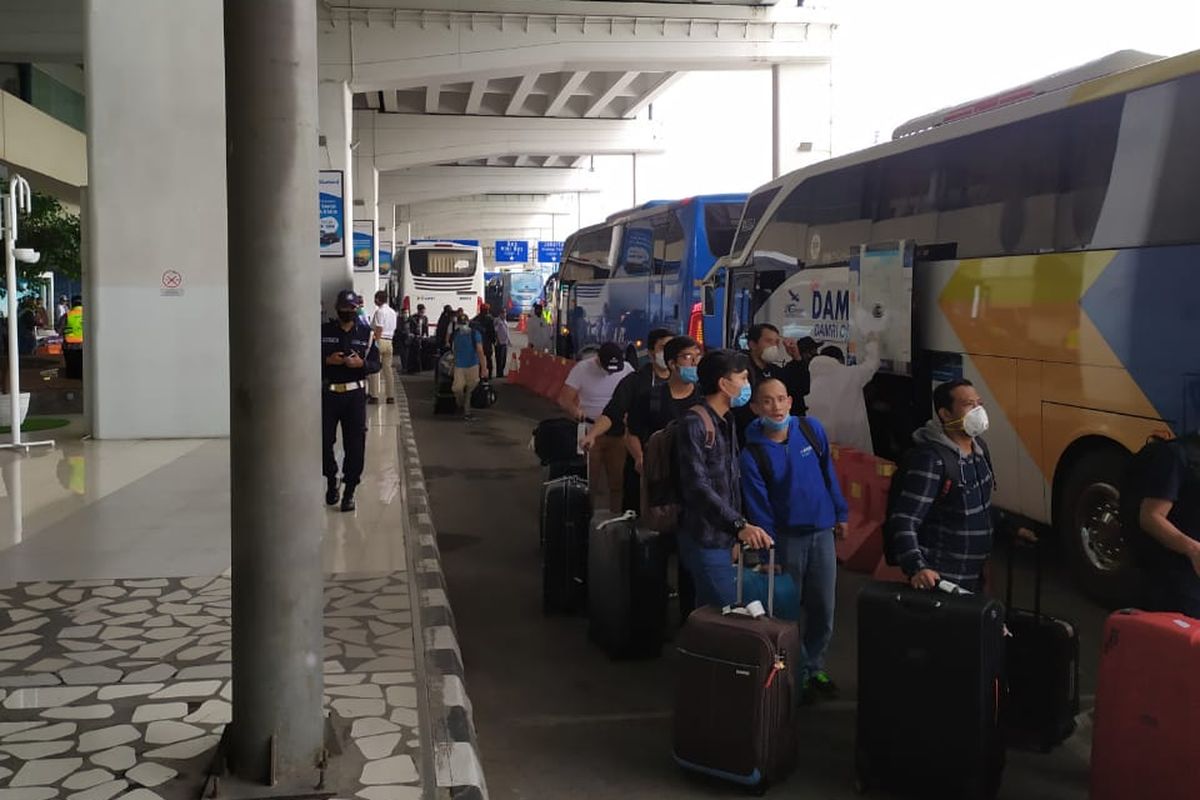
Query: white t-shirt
385, 319
595, 385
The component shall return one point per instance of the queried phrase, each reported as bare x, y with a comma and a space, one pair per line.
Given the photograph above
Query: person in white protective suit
835, 394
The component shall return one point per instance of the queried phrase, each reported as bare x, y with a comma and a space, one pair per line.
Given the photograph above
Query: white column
801, 115
335, 114
158, 354
366, 207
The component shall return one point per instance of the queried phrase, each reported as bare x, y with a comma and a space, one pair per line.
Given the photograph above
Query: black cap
807, 344
610, 357
347, 299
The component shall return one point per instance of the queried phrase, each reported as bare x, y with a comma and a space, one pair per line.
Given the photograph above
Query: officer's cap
347, 299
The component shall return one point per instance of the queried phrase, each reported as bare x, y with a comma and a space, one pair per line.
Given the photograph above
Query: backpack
662, 498
946, 456
1145, 548
759, 453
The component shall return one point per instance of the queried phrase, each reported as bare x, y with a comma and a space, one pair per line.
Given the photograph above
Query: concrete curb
455, 750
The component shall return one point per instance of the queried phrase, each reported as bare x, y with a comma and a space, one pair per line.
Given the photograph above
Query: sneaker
391, 401
372, 401
822, 686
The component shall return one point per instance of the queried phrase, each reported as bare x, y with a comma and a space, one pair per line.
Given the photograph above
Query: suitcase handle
628, 515
741, 577
1018, 541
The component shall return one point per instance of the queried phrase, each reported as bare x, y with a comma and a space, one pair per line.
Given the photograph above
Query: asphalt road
555, 717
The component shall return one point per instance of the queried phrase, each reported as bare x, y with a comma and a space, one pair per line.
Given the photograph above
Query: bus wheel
1089, 523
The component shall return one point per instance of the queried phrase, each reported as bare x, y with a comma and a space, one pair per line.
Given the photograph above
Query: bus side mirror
710, 300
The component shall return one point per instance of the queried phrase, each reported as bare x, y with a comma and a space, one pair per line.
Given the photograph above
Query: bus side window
710, 300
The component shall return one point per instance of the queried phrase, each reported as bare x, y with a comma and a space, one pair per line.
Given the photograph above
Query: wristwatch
738, 524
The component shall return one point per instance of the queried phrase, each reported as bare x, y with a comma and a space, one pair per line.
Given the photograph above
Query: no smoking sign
172, 283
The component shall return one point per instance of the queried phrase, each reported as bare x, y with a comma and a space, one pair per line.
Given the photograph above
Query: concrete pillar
801, 115
277, 516
337, 127
156, 304
366, 207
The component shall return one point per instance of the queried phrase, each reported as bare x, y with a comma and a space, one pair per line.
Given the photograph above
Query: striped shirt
942, 515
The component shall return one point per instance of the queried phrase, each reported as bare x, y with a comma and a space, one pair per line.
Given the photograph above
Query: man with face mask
588, 389
791, 492
939, 518
470, 364
348, 355
710, 520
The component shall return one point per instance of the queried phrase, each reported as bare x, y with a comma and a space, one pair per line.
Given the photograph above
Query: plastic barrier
865, 481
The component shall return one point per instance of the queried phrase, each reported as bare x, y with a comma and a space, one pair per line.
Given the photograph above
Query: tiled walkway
115, 660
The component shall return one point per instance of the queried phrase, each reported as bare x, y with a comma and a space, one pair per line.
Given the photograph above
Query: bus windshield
721, 221
526, 282
455, 263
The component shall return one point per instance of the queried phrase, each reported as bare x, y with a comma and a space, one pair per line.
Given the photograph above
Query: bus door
672, 281
757, 293
881, 289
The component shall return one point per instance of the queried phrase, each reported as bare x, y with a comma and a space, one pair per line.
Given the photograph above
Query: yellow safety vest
73, 329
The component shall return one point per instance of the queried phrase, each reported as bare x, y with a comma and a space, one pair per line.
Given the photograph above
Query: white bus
437, 274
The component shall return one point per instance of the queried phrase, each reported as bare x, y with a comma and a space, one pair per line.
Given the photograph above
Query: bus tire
1089, 525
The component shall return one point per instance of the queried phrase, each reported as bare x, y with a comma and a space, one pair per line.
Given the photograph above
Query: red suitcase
1147, 719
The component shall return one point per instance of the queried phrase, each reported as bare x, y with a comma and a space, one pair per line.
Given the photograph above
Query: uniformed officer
349, 354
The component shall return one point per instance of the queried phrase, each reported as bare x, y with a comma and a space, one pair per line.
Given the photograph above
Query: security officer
349, 354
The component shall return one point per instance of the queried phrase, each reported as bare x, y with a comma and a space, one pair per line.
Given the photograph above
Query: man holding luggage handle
791, 492
711, 520
1170, 516
940, 516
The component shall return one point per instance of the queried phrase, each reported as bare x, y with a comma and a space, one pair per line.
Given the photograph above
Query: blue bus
640, 269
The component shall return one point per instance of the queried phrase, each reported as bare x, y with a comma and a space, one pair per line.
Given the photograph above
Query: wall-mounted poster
385, 259
364, 245
332, 210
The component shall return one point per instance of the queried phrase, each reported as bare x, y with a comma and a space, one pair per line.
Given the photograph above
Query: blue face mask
689, 374
775, 426
743, 397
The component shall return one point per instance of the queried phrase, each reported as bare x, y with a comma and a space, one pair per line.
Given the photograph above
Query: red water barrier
865, 480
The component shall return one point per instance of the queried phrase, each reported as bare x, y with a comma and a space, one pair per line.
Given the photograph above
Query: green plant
54, 232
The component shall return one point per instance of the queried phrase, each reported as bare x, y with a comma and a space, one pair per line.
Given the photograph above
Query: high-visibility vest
73, 328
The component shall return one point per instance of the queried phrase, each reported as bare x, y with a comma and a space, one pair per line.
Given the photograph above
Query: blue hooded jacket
796, 501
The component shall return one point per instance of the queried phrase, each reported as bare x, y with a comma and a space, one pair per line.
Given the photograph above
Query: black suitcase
1041, 669
557, 469
412, 360
929, 683
444, 401
430, 352
566, 514
483, 395
735, 700
627, 588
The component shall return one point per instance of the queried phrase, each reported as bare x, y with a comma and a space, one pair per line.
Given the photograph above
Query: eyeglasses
687, 359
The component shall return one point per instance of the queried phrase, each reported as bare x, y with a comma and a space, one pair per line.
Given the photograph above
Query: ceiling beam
372, 99
433, 98
426, 184
522, 161
570, 87
649, 97
475, 98
602, 102
521, 94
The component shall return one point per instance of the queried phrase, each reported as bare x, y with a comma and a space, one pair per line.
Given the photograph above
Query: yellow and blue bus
1054, 260
639, 269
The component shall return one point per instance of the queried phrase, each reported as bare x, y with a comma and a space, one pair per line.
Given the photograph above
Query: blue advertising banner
512, 251
331, 209
364, 245
549, 252
637, 251
385, 259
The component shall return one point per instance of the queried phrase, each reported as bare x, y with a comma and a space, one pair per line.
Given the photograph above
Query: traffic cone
521, 323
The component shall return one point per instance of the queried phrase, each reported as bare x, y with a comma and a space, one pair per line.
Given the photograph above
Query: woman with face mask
940, 523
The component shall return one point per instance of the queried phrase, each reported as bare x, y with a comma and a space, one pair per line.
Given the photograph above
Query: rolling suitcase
1147, 718
735, 701
444, 401
556, 469
1041, 671
566, 514
412, 360
483, 395
627, 588
929, 682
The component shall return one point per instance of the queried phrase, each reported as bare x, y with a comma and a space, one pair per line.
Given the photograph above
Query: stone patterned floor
120, 688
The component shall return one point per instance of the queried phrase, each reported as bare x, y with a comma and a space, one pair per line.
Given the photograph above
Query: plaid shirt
950, 533
709, 479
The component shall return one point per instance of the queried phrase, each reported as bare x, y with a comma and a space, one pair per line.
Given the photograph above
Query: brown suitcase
736, 695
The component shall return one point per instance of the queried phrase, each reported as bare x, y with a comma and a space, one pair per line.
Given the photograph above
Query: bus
640, 269
437, 274
1046, 248
518, 290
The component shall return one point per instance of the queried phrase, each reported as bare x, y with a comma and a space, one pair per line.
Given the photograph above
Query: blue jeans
812, 562
712, 572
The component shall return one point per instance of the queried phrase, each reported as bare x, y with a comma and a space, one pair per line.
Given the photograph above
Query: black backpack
1144, 547
946, 456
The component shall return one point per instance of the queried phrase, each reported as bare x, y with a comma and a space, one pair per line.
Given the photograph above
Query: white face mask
975, 423
660, 361
775, 354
